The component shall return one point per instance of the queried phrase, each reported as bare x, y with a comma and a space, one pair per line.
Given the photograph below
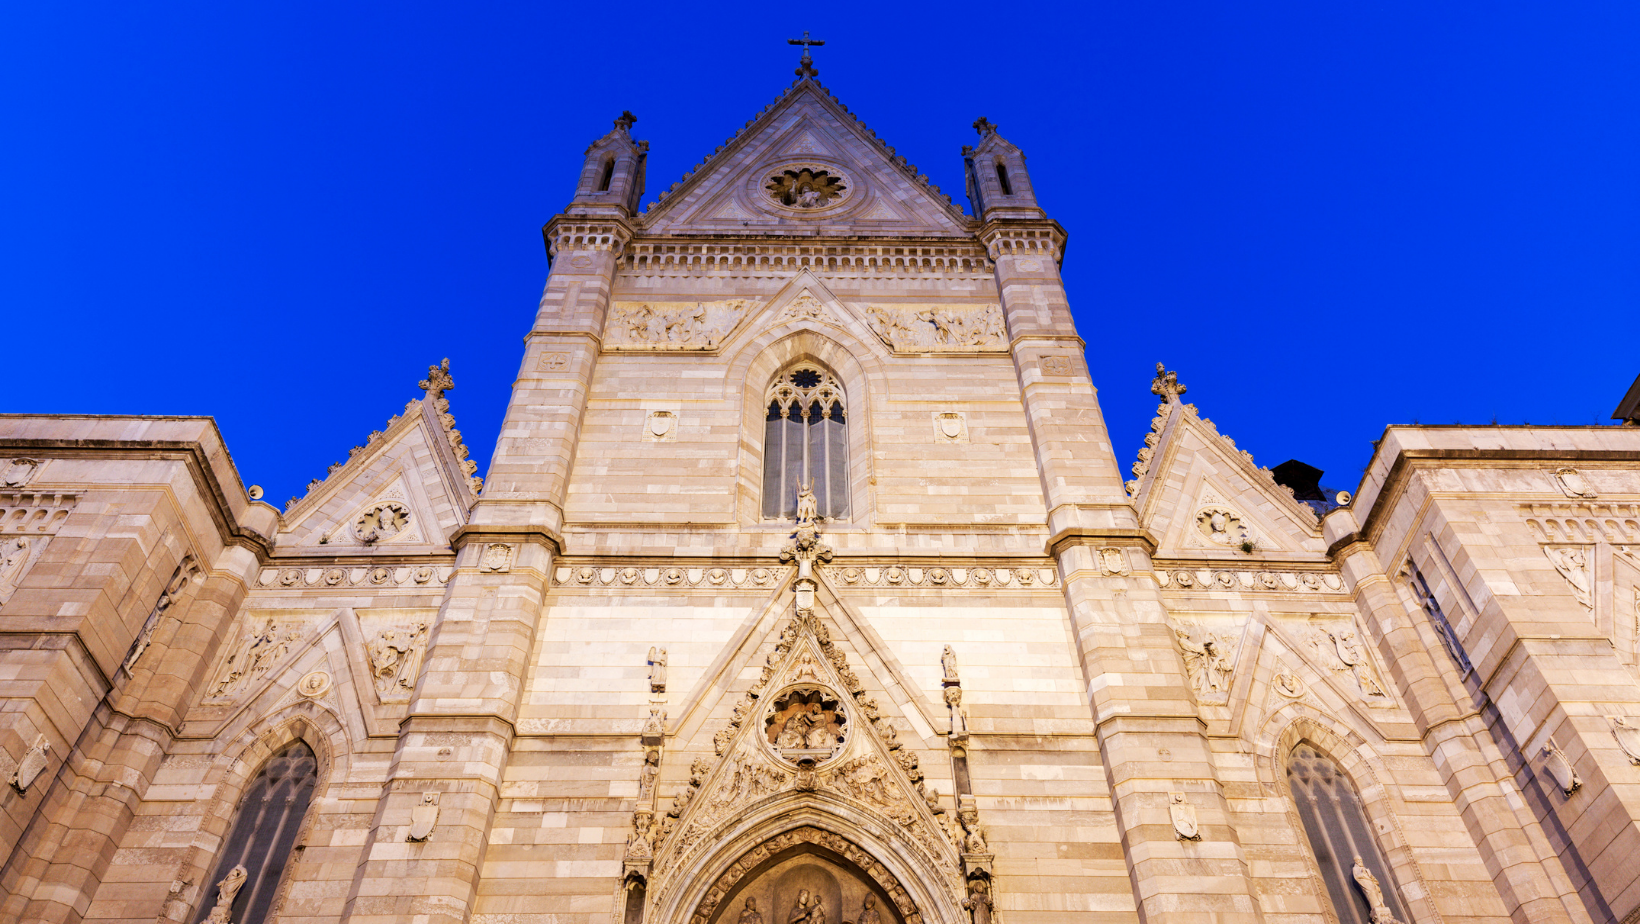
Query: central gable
805, 140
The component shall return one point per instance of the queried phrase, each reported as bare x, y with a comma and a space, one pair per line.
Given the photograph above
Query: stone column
1151, 737
459, 732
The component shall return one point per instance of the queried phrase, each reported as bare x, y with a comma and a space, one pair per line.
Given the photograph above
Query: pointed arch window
263, 834
1339, 833
1002, 177
805, 441
609, 174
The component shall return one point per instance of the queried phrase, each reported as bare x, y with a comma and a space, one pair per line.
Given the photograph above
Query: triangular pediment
1204, 498
808, 730
806, 301
403, 491
806, 129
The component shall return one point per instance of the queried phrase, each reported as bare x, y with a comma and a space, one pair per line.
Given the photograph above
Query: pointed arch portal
807, 870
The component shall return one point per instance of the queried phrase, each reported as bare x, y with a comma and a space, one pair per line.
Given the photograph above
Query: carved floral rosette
642, 575
927, 328
673, 326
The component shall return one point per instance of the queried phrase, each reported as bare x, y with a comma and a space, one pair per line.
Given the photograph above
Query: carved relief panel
642, 326
939, 328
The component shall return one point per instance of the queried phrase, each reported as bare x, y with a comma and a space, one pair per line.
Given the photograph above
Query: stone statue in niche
978, 901
868, 912
808, 508
1368, 884
380, 522
749, 914
395, 660
187, 570
646, 776
657, 670
252, 657
1573, 565
806, 723
1208, 659
20, 472
32, 765
1573, 484
938, 328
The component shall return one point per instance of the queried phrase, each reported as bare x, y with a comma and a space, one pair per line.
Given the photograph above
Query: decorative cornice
765, 256
1175, 577
572, 232
1023, 237
384, 575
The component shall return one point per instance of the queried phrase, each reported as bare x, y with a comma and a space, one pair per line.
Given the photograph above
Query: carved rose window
805, 187
806, 724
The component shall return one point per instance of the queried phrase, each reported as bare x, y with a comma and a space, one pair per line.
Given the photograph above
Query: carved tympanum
806, 723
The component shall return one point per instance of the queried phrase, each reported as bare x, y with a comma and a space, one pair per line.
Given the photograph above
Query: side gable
805, 128
1201, 497
407, 490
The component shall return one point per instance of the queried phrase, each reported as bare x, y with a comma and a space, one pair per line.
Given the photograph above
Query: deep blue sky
1326, 219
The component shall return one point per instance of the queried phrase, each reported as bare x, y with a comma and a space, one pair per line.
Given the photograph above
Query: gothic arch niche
233, 777
756, 366
1353, 761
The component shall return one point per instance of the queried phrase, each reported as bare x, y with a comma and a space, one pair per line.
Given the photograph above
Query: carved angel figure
1573, 565
1208, 661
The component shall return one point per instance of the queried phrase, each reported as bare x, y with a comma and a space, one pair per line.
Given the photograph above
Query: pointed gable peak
774, 132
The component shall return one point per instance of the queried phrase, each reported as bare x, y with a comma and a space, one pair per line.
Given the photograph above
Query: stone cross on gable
805, 67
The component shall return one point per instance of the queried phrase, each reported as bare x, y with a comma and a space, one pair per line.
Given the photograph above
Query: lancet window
805, 443
258, 846
1359, 881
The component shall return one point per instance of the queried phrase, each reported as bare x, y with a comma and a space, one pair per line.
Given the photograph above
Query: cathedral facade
805, 587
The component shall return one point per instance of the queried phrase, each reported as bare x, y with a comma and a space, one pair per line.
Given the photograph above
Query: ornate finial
1166, 385
805, 66
984, 127
625, 122
438, 379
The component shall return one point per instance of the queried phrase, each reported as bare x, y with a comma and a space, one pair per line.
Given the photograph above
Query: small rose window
805, 188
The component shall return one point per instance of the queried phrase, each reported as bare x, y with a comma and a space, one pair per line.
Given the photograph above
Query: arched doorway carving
809, 872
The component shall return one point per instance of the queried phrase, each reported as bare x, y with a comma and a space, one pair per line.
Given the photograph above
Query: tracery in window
1359, 881
805, 443
262, 836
